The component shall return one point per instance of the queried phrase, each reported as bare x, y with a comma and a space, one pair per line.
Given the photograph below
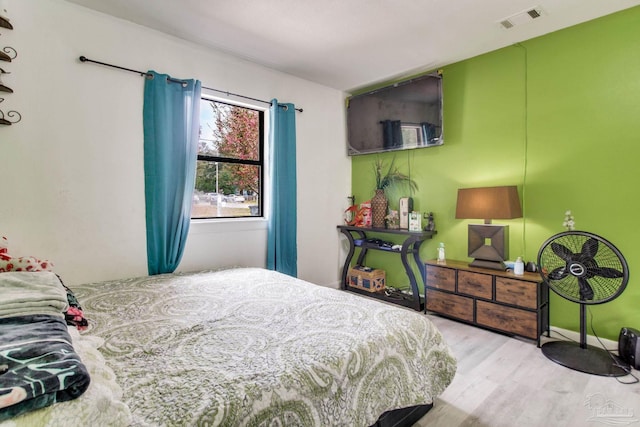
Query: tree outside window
229, 172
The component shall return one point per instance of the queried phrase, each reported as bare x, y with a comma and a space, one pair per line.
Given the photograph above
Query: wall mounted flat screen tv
401, 116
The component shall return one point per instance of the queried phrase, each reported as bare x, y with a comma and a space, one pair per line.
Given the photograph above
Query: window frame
260, 162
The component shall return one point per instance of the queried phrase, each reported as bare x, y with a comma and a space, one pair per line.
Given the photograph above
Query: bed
251, 347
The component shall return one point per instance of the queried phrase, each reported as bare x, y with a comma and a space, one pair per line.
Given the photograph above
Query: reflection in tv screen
401, 116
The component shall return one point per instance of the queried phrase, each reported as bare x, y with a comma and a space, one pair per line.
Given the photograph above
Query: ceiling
351, 44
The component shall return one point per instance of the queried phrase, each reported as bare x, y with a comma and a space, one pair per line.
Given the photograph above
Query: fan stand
583, 357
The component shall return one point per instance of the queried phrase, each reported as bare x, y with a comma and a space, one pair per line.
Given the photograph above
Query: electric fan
584, 268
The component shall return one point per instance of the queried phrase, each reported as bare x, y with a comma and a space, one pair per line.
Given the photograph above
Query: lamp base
488, 245
492, 265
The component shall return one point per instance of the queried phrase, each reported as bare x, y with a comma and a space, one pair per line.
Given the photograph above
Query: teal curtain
171, 127
282, 251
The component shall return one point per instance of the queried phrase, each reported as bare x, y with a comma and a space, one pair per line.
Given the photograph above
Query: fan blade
609, 273
590, 248
561, 251
586, 291
558, 273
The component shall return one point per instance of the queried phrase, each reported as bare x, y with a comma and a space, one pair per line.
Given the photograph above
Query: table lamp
488, 243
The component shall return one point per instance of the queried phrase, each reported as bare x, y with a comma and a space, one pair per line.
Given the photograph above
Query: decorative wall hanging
11, 116
3, 87
7, 54
4, 18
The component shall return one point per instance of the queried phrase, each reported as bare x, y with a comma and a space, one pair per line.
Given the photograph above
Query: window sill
204, 226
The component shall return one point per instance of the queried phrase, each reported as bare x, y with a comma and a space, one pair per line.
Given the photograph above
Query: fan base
591, 360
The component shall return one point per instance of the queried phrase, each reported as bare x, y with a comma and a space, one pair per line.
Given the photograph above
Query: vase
379, 205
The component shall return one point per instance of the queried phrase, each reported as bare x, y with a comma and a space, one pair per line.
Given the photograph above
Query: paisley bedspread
252, 347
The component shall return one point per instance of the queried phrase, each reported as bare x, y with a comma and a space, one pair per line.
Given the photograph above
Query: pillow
9, 262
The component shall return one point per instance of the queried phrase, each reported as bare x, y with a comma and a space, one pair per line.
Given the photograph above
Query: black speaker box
629, 347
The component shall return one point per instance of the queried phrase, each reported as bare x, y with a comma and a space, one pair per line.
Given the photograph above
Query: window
411, 135
230, 165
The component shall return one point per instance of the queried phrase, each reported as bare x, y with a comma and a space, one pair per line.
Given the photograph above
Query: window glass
229, 173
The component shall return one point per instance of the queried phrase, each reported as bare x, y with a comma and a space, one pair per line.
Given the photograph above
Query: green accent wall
558, 116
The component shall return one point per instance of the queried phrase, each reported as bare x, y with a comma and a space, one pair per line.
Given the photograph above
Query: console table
410, 245
490, 299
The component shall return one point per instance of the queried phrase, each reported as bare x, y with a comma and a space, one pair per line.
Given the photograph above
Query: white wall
72, 169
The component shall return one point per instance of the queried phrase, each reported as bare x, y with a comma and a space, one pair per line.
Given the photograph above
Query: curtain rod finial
83, 58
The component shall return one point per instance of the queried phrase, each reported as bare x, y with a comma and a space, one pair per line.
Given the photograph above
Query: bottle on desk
518, 267
441, 257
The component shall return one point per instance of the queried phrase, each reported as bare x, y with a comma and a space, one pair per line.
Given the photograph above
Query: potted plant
386, 178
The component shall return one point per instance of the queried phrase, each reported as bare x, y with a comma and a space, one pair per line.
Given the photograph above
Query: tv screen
402, 116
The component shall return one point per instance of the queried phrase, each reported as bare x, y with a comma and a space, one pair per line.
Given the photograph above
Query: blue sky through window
206, 116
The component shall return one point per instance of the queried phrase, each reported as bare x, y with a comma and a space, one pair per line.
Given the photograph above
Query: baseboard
333, 285
564, 334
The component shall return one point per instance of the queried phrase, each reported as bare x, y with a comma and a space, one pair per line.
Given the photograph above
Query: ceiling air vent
533, 13
506, 23
521, 18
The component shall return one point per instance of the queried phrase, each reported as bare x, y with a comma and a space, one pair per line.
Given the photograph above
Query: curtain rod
142, 73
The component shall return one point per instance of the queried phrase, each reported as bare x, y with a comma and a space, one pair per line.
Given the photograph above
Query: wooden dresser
490, 299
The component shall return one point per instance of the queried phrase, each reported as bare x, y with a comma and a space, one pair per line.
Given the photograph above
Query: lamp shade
488, 203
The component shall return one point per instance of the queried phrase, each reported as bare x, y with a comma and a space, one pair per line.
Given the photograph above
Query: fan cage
607, 256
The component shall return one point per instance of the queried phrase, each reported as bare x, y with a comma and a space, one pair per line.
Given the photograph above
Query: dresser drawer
450, 305
517, 292
476, 284
441, 278
507, 319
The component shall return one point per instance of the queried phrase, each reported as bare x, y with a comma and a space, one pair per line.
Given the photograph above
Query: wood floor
508, 382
